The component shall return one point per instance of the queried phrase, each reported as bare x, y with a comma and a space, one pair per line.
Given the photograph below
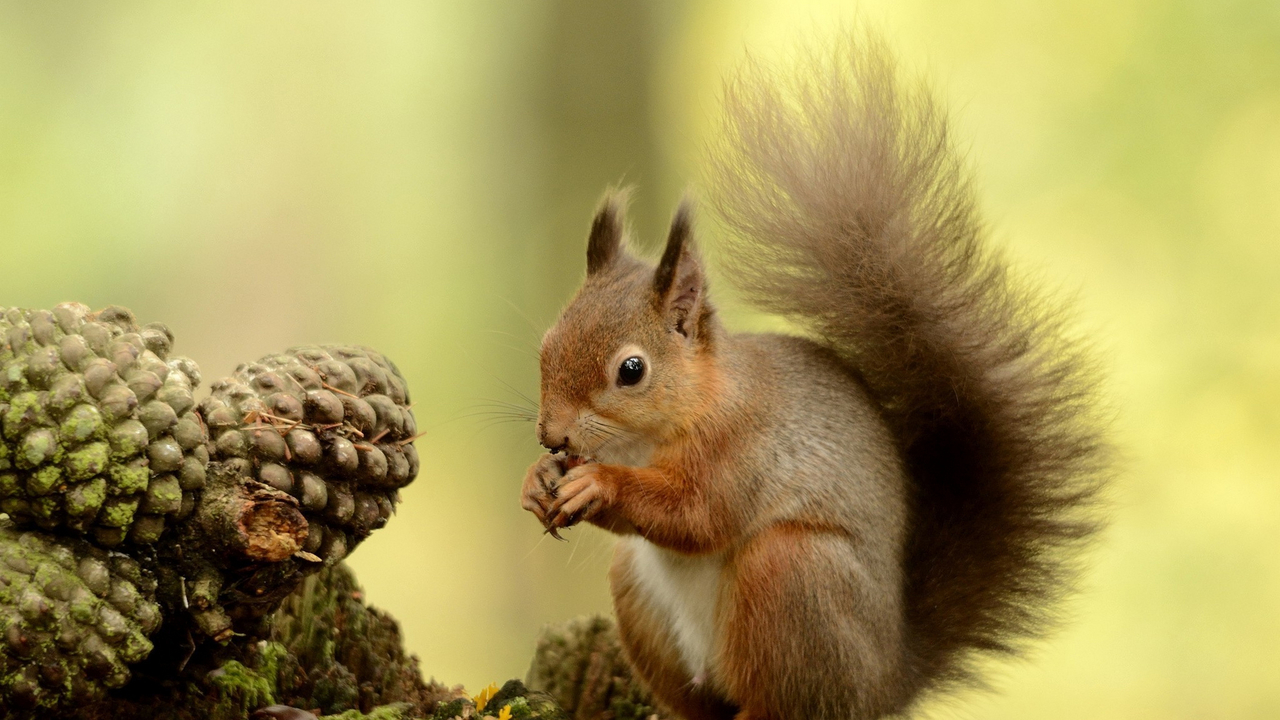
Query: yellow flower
505, 713
485, 695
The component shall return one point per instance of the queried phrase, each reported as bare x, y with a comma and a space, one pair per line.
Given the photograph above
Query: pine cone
329, 425
73, 617
99, 433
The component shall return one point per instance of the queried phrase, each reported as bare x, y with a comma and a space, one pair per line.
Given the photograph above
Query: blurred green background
418, 177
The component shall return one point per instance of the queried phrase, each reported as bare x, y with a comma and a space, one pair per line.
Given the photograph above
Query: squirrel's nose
551, 444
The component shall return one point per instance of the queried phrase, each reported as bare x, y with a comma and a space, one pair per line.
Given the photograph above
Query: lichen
118, 512
87, 460
87, 498
44, 480
82, 424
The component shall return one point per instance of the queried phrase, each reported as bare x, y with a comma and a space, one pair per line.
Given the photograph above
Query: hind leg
809, 631
652, 651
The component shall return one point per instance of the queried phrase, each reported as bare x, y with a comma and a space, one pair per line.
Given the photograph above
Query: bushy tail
854, 216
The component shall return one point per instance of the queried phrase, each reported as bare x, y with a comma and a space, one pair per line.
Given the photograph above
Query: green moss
271, 655
530, 704
452, 709
395, 711
524, 704
520, 709
240, 690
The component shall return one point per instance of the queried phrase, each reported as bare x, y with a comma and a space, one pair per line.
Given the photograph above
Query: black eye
631, 371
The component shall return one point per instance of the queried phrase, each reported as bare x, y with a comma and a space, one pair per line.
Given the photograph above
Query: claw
565, 520
554, 532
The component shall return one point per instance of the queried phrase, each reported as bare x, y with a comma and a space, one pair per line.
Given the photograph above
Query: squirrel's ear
607, 229
678, 282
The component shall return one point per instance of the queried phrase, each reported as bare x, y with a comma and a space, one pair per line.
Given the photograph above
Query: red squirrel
830, 524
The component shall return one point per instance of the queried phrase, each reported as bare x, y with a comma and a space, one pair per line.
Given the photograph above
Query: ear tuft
607, 229
678, 282
677, 240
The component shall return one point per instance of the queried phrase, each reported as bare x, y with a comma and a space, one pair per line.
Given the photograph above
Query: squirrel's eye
631, 371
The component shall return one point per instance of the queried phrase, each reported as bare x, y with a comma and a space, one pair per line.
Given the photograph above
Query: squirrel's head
631, 358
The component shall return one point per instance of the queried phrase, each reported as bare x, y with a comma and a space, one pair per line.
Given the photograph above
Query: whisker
522, 349
504, 404
498, 415
541, 536
494, 422
532, 325
604, 429
593, 430
530, 401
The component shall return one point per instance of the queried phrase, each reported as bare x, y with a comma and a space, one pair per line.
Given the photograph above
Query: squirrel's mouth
569, 460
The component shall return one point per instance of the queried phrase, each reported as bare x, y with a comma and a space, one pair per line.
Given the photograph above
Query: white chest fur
682, 589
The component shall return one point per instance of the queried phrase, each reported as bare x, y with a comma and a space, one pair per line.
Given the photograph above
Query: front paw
539, 490
580, 495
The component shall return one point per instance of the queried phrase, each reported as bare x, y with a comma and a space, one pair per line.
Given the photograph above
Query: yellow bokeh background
417, 176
